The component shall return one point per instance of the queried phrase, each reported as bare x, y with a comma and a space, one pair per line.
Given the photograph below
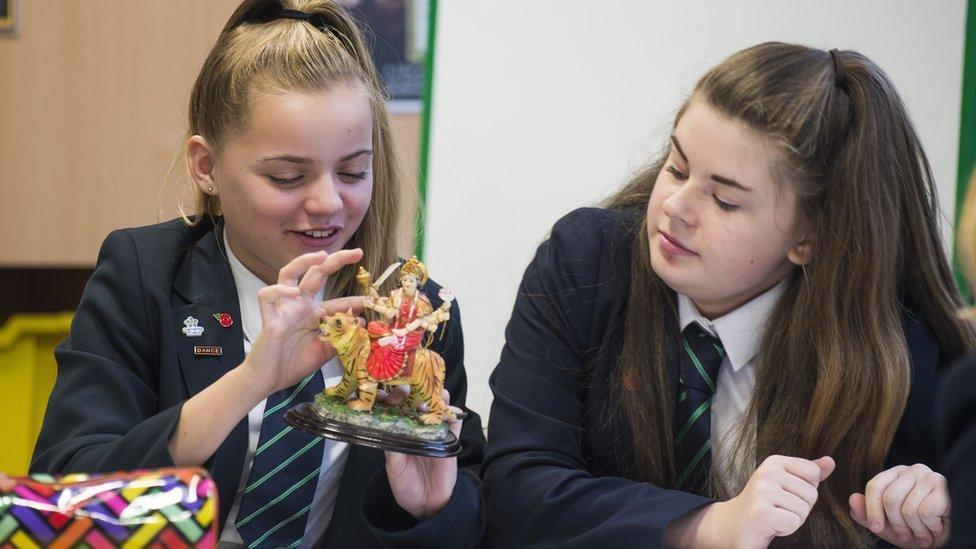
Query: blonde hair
966, 243
258, 51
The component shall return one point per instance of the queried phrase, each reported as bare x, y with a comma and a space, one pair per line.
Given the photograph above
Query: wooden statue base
385, 428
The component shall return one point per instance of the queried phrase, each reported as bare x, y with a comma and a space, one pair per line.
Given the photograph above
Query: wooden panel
92, 102
407, 128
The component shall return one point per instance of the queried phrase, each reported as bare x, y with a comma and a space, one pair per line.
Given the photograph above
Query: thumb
827, 466
858, 509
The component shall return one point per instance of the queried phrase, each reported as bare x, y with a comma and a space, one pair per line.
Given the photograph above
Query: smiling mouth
319, 234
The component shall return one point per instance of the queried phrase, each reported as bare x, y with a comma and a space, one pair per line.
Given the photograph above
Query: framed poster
8, 16
396, 32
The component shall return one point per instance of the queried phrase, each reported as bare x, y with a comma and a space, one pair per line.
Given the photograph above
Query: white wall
543, 106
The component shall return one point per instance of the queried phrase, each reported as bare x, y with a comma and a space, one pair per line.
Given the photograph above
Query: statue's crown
415, 267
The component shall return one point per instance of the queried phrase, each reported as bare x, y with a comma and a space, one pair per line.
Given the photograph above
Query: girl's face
721, 231
298, 179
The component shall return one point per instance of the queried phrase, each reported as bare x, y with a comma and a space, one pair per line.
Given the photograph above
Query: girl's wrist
698, 528
251, 388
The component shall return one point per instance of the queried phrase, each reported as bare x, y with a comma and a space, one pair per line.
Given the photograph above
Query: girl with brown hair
194, 336
743, 343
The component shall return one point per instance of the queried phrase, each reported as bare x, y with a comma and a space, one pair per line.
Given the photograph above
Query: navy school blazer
126, 369
554, 472
957, 407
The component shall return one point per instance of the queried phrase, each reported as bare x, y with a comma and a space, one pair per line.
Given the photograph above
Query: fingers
454, 423
456, 416
893, 498
827, 466
340, 259
859, 509
873, 493
785, 522
269, 295
935, 508
290, 273
342, 304
793, 503
911, 508
397, 394
802, 468
313, 281
800, 488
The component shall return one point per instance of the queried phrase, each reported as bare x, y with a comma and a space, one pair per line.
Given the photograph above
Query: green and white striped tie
280, 487
701, 358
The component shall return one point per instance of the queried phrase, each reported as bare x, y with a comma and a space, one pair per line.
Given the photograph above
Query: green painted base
383, 417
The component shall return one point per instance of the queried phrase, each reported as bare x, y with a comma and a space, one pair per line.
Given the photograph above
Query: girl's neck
712, 311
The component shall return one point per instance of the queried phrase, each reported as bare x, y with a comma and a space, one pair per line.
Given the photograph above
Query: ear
200, 160
349, 312
801, 253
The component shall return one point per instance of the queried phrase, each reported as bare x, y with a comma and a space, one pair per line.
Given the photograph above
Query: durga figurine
388, 352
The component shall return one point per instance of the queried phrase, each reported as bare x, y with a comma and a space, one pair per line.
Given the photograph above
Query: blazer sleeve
103, 413
957, 412
462, 521
915, 440
538, 489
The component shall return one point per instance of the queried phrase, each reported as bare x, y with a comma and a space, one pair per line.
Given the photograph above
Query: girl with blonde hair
195, 336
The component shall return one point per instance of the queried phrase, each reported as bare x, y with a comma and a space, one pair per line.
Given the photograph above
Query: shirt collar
741, 330
248, 285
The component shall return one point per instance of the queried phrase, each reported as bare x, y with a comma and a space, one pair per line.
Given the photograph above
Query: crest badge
191, 327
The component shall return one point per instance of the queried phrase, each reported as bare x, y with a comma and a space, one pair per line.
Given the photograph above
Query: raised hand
289, 347
907, 506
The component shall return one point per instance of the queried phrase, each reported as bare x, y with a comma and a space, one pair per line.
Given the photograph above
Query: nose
323, 197
681, 205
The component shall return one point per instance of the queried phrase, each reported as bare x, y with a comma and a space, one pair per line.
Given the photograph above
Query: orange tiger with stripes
352, 343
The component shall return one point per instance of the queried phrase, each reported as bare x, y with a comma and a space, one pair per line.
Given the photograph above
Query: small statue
391, 351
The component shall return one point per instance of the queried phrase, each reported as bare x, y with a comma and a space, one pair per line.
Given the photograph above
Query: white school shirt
333, 454
741, 332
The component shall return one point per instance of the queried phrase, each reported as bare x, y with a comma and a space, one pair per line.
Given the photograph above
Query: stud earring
210, 189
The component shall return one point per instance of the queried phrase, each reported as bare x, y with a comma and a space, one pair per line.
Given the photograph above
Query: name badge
207, 350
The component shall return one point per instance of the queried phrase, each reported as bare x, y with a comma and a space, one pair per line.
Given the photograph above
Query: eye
338, 323
284, 181
725, 205
351, 177
680, 176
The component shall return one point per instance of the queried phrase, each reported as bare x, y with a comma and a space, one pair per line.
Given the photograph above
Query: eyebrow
355, 154
677, 146
303, 160
717, 178
730, 182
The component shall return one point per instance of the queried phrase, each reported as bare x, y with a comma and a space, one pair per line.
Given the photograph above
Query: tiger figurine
352, 343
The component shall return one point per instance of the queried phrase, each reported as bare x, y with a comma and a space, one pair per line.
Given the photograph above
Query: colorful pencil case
162, 508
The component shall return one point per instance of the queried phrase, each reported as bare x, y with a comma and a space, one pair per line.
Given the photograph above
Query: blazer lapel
203, 287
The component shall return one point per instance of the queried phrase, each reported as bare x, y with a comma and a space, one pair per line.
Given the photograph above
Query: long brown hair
257, 51
834, 373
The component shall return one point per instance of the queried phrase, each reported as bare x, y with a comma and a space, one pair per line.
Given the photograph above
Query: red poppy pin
224, 319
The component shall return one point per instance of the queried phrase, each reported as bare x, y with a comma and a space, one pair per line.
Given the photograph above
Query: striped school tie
701, 357
284, 474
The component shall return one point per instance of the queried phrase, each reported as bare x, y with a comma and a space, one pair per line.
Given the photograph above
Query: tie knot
701, 359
